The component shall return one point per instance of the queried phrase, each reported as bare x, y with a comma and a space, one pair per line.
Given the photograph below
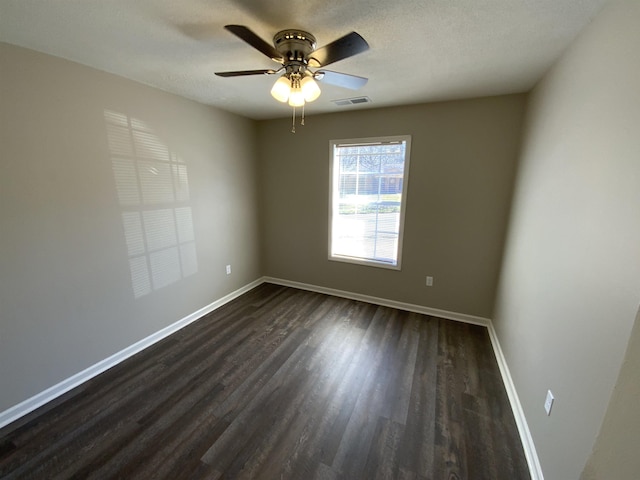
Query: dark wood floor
283, 383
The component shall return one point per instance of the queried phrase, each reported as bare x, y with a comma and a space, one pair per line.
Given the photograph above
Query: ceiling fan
295, 50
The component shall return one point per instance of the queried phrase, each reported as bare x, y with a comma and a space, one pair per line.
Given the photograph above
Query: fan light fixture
295, 90
281, 89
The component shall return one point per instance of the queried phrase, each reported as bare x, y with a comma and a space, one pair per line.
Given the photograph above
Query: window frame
403, 198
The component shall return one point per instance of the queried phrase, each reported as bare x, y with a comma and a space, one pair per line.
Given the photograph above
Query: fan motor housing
294, 45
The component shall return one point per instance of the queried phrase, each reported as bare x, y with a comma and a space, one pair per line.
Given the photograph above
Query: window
367, 200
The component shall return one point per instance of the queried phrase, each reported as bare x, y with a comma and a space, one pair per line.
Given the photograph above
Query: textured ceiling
421, 50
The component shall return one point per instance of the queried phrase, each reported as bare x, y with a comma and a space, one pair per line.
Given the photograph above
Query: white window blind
368, 192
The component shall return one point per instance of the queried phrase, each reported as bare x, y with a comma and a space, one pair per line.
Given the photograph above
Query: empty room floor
283, 383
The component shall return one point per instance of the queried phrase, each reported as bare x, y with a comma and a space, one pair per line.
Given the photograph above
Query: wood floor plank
284, 384
418, 442
354, 446
291, 442
382, 460
344, 403
404, 363
449, 458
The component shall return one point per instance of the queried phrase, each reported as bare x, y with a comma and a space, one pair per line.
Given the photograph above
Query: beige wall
570, 285
68, 202
615, 453
463, 157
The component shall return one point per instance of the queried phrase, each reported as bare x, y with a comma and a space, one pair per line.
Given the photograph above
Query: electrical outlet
429, 281
228, 269
548, 403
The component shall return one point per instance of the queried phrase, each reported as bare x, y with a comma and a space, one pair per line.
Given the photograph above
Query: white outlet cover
548, 403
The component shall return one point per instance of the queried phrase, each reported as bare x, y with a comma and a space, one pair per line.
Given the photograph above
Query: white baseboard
51, 393
535, 469
518, 413
461, 317
27, 406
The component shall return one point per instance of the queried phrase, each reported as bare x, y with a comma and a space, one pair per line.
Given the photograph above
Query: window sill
365, 263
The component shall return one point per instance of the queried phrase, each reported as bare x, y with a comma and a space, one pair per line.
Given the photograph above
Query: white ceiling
421, 50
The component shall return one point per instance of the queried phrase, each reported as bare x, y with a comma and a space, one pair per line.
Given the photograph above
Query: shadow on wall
153, 192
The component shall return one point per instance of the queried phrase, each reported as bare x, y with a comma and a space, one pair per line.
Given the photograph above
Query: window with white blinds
367, 200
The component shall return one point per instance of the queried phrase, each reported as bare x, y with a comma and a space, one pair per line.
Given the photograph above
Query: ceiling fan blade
244, 73
255, 41
340, 79
344, 47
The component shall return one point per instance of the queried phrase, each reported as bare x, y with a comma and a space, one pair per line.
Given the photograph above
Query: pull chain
293, 124
302, 122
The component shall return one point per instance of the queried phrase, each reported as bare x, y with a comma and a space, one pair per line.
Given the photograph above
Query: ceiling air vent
351, 101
